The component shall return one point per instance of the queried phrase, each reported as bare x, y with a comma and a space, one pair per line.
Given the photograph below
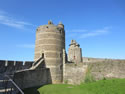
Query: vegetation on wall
89, 78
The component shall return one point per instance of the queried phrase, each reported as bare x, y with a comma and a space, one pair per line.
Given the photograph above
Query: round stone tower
50, 42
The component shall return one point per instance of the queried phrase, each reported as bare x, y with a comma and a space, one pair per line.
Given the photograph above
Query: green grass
113, 86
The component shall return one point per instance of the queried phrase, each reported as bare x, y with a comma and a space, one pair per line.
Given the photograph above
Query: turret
60, 25
74, 52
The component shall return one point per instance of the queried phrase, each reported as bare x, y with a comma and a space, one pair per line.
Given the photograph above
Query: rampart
37, 75
32, 77
9, 67
108, 68
92, 60
74, 73
98, 69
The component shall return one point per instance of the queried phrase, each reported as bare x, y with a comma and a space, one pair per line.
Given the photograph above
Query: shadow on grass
33, 90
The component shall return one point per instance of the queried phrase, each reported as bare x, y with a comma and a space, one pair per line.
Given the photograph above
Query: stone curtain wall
99, 69
12, 66
32, 78
92, 60
74, 73
107, 69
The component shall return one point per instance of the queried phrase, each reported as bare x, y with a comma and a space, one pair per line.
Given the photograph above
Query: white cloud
77, 30
10, 21
26, 46
86, 33
95, 33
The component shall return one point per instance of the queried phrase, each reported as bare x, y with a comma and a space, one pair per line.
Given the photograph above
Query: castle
52, 65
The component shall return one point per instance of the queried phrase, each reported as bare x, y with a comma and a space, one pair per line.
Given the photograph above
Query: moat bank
112, 86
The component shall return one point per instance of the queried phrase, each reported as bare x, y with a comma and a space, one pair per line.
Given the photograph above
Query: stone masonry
50, 42
74, 52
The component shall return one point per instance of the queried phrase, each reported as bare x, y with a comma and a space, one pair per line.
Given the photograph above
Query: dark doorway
42, 55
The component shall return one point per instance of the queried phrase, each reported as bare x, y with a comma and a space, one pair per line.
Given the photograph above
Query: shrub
104, 78
65, 81
89, 78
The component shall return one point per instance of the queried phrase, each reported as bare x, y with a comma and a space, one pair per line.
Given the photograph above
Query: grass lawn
113, 86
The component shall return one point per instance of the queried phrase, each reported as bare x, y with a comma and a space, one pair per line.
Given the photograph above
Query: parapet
7, 66
50, 27
74, 43
60, 25
50, 22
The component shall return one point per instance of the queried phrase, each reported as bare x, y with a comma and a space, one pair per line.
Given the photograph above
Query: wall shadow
33, 90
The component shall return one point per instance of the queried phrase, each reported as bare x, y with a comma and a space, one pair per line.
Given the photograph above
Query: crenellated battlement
8, 66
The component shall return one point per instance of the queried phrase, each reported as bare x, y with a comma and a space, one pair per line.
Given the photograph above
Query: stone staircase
38, 64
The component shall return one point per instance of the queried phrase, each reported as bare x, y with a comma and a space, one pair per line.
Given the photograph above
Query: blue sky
97, 25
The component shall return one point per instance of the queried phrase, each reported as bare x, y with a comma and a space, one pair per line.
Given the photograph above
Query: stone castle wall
32, 78
92, 60
99, 69
12, 66
74, 73
107, 69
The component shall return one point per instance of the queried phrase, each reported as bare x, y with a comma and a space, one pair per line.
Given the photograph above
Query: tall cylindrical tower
50, 42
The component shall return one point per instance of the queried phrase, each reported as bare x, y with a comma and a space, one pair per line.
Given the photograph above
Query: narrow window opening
60, 31
42, 55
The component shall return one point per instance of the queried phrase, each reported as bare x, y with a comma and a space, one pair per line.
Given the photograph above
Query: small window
60, 31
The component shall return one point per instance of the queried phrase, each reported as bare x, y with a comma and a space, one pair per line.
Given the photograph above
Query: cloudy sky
97, 25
